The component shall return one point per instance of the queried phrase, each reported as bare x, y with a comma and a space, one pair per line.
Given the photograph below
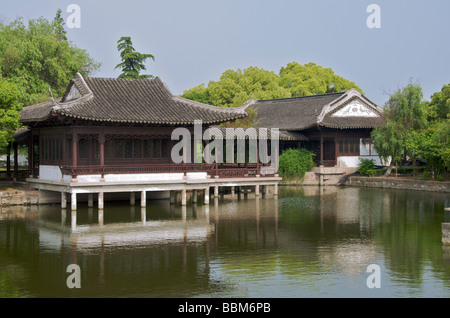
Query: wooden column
321, 148
8, 162
101, 140
30, 156
16, 161
74, 149
336, 145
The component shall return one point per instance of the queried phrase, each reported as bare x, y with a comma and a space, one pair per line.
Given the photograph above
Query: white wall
47, 172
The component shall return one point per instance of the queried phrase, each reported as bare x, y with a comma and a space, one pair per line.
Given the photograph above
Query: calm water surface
305, 243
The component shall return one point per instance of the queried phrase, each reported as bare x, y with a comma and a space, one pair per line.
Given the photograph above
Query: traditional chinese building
114, 135
108, 135
335, 126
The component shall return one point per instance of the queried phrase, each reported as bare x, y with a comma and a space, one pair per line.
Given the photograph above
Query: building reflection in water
177, 251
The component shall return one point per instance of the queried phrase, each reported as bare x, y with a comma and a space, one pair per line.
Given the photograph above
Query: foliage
38, 56
295, 162
415, 129
198, 93
403, 114
234, 88
132, 62
439, 107
9, 111
245, 122
432, 145
366, 166
312, 79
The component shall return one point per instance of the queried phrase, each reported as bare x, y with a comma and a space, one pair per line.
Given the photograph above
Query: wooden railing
221, 170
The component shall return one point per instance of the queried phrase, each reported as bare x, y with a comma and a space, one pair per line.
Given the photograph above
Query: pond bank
19, 193
398, 183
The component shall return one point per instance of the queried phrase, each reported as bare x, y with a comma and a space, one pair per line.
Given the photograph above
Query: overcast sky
195, 41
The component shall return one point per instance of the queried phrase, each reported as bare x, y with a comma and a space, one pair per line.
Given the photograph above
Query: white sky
195, 41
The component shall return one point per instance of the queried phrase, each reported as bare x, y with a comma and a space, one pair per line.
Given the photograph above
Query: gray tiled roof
147, 101
296, 113
300, 113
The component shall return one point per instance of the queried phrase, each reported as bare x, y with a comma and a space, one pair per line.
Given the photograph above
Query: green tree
10, 107
38, 56
432, 145
198, 93
312, 79
58, 26
234, 88
404, 113
439, 107
132, 62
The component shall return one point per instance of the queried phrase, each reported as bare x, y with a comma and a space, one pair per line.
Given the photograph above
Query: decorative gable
355, 109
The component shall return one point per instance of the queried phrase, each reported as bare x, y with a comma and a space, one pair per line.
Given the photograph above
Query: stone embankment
398, 183
16, 193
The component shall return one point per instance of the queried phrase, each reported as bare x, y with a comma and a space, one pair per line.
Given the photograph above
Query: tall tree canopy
312, 79
38, 56
9, 111
416, 129
132, 62
236, 87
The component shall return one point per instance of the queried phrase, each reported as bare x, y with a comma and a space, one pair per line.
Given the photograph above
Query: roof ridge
300, 97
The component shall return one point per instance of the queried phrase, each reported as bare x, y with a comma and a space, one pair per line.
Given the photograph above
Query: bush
295, 162
439, 178
426, 175
366, 167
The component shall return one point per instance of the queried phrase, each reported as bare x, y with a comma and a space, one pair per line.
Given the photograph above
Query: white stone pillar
143, 199
100, 217
183, 197
132, 198
73, 201
63, 200
100, 200
275, 189
194, 196
143, 215
257, 189
232, 191
206, 202
216, 191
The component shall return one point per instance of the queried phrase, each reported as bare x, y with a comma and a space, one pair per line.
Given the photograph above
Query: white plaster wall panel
47, 172
143, 177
